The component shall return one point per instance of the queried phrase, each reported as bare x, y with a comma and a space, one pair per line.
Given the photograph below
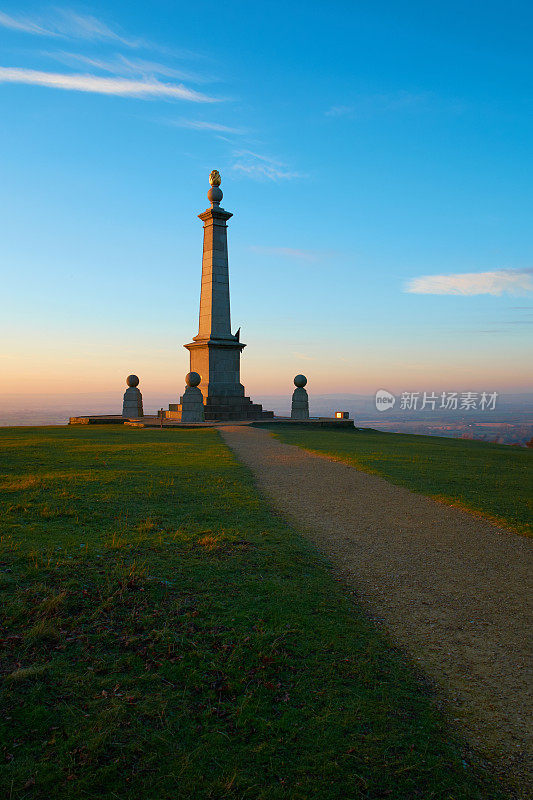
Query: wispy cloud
204, 125
67, 24
83, 26
339, 111
123, 87
497, 282
287, 252
127, 66
24, 24
262, 167
367, 105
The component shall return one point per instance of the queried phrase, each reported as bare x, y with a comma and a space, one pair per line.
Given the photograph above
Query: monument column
215, 351
214, 297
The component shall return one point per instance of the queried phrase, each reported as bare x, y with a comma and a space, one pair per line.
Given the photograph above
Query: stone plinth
300, 404
191, 405
300, 399
132, 405
218, 362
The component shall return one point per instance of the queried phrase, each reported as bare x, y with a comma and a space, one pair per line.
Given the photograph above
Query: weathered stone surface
300, 404
132, 405
192, 405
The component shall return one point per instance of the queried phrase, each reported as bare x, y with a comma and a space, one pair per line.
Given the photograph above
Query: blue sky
377, 159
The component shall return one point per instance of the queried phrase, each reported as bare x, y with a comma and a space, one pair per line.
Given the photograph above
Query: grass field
494, 480
165, 636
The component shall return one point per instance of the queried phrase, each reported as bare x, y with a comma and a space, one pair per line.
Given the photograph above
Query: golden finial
214, 178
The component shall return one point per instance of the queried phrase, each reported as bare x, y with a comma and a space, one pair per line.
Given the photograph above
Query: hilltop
167, 635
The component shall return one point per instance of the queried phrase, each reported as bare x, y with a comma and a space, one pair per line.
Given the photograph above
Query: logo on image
384, 400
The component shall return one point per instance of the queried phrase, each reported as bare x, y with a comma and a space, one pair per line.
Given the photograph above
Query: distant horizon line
372, 393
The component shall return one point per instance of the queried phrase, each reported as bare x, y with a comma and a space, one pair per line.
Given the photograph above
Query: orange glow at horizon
163, 371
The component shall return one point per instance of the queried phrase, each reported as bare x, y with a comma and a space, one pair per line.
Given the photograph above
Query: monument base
225, 408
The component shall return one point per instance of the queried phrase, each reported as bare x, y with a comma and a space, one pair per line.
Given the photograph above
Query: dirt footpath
451, 589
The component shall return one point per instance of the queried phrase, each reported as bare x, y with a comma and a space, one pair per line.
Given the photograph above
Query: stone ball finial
214, 178
132, 380
215, 195
300, 381
192, 379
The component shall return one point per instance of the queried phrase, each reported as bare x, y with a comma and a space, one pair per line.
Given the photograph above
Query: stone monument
191, 402
300, 399
215, 352
132, 405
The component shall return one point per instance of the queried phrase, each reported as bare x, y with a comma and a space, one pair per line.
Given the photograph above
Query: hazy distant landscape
510, 423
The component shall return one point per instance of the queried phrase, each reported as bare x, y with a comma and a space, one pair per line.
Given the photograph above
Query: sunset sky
376, 157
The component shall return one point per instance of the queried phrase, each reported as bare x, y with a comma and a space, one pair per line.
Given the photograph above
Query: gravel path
450, 588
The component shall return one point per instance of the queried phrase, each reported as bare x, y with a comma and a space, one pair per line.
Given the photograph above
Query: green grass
165, 636
491, 479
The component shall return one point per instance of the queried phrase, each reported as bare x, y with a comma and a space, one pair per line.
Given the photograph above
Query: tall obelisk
214, 298
215, 351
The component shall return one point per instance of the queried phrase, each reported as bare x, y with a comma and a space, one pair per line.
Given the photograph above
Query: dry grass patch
35, 672
20, 483
210, 542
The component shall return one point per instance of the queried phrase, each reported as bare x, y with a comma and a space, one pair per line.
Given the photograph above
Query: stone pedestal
300, 399
132, 405
191, 405
300, 404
